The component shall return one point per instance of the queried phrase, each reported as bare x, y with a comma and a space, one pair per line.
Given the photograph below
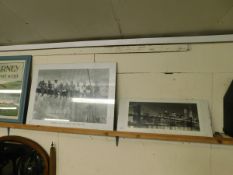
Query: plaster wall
196, 71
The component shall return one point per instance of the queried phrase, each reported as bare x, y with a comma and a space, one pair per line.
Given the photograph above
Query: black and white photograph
182, 117
174, 116
81, 95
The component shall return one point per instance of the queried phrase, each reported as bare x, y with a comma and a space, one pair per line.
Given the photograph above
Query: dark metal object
52, 163
21, 156
228, 111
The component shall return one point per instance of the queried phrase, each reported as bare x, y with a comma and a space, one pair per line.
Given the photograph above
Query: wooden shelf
164, 137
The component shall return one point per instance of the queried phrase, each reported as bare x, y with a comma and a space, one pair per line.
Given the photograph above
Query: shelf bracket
8, 131
117, 140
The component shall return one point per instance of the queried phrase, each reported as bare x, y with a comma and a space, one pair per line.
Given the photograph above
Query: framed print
179, 117
77, 95
14, 77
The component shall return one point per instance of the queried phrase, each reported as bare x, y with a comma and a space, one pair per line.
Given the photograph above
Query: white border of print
111, 96
203, 116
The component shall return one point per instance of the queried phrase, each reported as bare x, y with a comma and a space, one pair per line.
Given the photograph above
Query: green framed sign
14, 83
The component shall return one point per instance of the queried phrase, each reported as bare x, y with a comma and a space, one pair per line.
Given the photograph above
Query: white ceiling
44, 21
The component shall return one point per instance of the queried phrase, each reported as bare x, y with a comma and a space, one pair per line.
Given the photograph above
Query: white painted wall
201, 71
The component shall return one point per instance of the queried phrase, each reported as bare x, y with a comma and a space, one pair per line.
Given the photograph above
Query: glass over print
14, 74
170, 116
81, 95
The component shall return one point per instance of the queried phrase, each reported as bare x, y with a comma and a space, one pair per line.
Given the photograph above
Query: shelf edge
163, 137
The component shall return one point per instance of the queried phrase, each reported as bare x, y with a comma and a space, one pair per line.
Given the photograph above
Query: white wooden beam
122, 42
